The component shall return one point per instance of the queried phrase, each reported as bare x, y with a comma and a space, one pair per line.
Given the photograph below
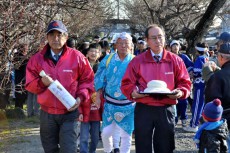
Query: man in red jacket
73, 71
154, 116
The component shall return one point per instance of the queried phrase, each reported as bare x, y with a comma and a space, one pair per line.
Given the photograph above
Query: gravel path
23, 137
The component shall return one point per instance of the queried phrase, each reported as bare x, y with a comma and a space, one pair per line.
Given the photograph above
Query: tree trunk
5, 89
195, 35
3, 101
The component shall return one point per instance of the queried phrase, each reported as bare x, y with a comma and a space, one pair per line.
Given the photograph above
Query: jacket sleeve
214, 88
207, 72
33, 80
84, 109
80, 109
128, 83
182, 79
85, 80
188, 63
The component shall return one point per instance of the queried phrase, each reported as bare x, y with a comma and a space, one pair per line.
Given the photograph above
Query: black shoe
116, 150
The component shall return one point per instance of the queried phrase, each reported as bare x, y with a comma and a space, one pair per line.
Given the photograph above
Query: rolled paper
60, 92
42, 73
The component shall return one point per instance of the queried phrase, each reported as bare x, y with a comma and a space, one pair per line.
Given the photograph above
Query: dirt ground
22, 136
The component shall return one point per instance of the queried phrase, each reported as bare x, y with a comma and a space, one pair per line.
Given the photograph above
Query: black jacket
218, 86
214, 141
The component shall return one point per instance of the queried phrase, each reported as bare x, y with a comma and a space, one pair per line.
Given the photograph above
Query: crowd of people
107, 79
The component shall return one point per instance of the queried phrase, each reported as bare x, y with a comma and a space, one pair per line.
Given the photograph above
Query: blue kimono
109, 79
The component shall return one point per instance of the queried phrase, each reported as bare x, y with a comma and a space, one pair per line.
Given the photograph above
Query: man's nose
56, 37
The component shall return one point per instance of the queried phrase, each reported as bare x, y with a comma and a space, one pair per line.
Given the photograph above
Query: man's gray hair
226, 56
65, 34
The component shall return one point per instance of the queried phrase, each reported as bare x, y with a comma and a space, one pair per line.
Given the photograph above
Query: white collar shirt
54, 55
160, 54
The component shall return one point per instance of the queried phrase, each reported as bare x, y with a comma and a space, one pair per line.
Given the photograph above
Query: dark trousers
19, 102
58, 132
154, 126
181, 107
20, 98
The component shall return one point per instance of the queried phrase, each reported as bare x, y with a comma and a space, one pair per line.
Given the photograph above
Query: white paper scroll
60, 92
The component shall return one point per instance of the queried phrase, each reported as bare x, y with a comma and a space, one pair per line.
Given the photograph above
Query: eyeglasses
155, 38
94, 51
121, 44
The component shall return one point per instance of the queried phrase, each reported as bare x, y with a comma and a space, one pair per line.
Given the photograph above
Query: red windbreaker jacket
72, 70
143, 69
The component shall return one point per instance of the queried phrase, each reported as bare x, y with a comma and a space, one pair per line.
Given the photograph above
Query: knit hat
213, 111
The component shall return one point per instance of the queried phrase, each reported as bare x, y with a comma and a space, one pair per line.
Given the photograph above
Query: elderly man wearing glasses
154, 116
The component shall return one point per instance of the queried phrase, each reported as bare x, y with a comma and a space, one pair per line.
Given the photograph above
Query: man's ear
66, 38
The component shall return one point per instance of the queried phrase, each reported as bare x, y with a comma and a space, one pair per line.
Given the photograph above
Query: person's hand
98, 100
136, 95
76, 105
177, 94
93, 97
80, 118
213, 65
46, 80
